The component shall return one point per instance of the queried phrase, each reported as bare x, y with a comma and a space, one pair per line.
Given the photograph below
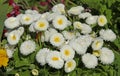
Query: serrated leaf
22, 63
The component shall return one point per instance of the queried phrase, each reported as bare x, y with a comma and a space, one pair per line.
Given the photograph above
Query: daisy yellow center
60, 21
97, 43
78, 25
27, 18
102, 20
57, 39
96, 53
13, 37
67, 52
41, 24
55, 58
69, 64
3, 58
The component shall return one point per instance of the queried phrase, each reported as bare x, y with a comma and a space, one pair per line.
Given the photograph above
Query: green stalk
72, 3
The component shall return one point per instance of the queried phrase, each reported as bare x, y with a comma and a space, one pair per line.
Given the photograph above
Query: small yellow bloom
96, 53
3, 58
17, 74
35, 72
55, 58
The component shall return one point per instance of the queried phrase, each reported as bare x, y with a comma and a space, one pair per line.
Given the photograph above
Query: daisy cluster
68, 36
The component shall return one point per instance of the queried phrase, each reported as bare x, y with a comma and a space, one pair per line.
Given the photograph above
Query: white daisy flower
84, 40
78, 48
13, 37
89, 60
20, 31
106, 56
107, 35
29, 11
9, 53
67, 53
41, 25
10, 50
68, 35
41, 56
26, 19
102, 20
59, 8
77, 25
36, 17
57, 39
27, 47
44, 15
91, 20
7, 33
75, 10
48, 33
34, 13
70, 66
84, 15
51, 16
60, 22
86, 29
11, 22
54, 60
31, 28
97, 44
19, 17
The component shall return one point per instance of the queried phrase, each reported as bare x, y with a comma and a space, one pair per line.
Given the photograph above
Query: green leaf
73, 73
117, 62
22, 63
16, 55
4, 10
92, 4
111, 72
110, 2
96, 74
25, 73
79, 71
117, 42
104, 74
103, 8
44, 72
108, 13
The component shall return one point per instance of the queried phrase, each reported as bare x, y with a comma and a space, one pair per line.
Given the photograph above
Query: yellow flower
3, 58
35, 72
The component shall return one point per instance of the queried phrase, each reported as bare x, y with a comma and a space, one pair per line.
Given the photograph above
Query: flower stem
72, 3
